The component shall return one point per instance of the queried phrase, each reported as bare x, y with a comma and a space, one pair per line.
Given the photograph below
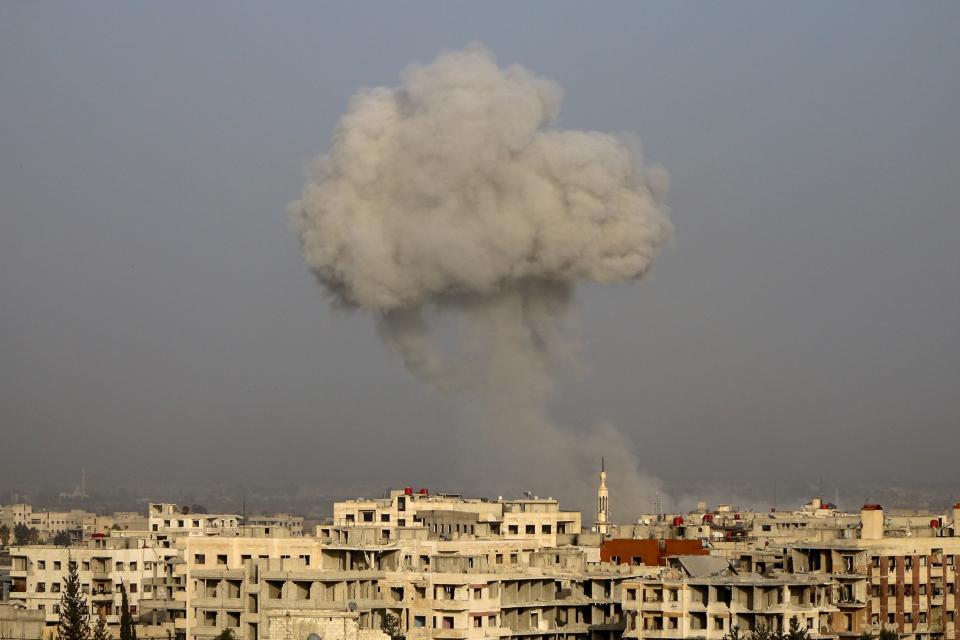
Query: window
908, 562
54, 587
513, 529
401, 522
531, 529
133, 589
419, 621
41, 565
199, 558
56, 608
477, 594
384, 517
499, 558
57, 565
891, 590
222, 558
119, 566
546, 529
133, 566
477, 621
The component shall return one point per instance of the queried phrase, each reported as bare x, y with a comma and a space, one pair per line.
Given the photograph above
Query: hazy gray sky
157, 320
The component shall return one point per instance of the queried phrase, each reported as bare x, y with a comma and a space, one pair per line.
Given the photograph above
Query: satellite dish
352, 605
314, 636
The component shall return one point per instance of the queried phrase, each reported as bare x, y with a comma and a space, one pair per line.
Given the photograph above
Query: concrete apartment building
904, 579
702, 597
38, 572
20, 623
530, 517
285, 523
174, 520
469, 588
896, 573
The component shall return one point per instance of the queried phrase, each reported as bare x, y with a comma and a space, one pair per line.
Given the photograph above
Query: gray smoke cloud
453, 206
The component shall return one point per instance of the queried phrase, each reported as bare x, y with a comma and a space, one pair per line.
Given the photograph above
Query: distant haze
159, 326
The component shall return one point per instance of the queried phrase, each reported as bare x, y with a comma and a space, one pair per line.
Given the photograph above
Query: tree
100, 630
763, 633
33, 535
127, 629
796, 631
61, 539
734, 634
392, 627
74, 616
20, 533
4, 535
226, 634
888, 634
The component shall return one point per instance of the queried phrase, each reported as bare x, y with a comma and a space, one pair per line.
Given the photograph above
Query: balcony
231, 603
450, 634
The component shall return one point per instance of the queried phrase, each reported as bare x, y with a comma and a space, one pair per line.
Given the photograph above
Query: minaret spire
603, 502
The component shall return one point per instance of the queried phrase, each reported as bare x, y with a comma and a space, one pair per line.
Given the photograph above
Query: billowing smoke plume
454, 195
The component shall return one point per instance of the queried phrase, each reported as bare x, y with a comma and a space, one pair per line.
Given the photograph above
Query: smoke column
454, 198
